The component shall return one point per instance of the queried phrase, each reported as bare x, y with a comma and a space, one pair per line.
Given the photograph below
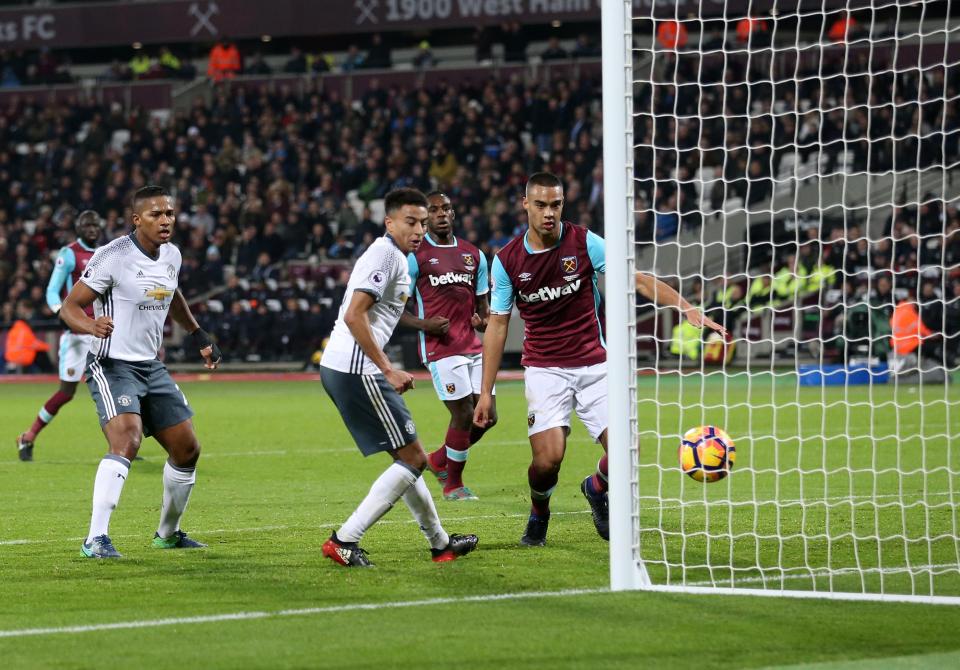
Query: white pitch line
306, 611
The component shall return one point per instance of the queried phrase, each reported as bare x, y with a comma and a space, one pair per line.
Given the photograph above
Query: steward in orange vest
224, 61
23, 345
908, 329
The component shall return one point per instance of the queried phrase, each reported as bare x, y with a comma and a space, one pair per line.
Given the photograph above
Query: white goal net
793, 168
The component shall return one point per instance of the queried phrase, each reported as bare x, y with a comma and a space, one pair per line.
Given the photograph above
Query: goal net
793, 169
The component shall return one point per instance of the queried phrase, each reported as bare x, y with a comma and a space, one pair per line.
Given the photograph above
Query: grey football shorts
372, 410
141, 387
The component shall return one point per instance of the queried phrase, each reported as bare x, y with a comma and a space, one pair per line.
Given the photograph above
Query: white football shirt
381, 271
135, 290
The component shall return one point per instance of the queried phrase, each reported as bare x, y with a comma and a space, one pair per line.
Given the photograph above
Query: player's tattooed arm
72, 312
665, 295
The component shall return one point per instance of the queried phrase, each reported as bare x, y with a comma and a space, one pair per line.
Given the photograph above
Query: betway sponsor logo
550, 292
451, 278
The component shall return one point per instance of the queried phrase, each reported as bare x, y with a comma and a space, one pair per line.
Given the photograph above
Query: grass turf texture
279, 472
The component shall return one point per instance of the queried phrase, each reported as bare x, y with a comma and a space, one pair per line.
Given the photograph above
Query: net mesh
796, 176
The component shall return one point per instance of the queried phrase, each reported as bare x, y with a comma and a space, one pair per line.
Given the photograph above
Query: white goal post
793, 168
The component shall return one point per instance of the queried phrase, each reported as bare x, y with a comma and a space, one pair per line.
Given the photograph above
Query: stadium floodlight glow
791, 163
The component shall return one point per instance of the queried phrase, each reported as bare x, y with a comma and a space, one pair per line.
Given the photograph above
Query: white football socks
107, 486
177, 484
420, 502
384, 493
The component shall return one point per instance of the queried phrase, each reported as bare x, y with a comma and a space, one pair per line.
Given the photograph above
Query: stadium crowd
277, 191
268, 184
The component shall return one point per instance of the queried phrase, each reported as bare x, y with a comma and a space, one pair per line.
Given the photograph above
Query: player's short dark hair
147, 192
435, 193
547, 179
88, 216
397, 198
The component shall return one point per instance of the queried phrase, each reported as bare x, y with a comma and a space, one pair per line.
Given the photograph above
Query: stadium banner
176, 21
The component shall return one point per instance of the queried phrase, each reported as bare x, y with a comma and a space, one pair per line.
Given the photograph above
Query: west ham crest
569, 264
451, 388
468, 260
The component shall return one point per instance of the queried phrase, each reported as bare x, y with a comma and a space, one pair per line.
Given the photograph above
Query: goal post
794, 170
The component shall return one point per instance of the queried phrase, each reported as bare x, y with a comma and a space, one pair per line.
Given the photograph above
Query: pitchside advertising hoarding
174, 21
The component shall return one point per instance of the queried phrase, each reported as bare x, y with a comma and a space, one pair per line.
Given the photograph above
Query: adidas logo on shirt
140, 274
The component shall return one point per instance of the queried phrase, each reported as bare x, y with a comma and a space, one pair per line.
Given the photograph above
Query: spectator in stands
554, 51
843, 29
140, 64
514, 42
378, 56
225, 61
672, 35
353, 60
174, 67
424, 58
258, 65
585, 47
483, 44
753, 31
297, 63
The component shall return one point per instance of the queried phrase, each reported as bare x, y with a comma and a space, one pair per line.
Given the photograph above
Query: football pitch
279, 472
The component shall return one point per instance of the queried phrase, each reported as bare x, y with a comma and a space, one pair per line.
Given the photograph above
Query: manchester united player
551, 273
450, 276
71, 262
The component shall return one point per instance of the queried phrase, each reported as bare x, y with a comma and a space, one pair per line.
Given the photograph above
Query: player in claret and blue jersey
451, 288
551, 274
71, 262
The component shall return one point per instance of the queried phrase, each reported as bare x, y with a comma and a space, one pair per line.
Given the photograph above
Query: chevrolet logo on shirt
159, 293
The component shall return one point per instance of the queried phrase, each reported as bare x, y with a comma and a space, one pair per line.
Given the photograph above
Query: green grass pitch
279, 472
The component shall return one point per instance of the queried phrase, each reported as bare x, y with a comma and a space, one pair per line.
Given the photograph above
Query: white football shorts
553, 393
73, 355
456, 377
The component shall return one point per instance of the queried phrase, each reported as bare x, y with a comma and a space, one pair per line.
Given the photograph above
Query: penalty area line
306, 611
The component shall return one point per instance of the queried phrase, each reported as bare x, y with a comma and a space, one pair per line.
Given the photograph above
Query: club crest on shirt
123, 401
531, 419
468, 260
410, 428
569, 264
451, 388
171, 272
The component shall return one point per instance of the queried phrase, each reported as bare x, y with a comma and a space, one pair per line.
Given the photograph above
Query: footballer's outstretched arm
665, 295
72, 312
180, 312
358, 322
494, 340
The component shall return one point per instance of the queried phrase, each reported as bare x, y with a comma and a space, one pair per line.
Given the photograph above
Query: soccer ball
706, 453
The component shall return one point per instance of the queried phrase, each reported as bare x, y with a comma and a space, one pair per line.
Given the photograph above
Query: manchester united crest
569, 264
468, 260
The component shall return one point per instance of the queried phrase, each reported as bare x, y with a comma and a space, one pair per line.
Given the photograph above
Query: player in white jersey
132, 284
366, 388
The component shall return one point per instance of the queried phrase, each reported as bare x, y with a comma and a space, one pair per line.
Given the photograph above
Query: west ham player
132, 284
366, 388
551, 273
71, 262
451, 289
